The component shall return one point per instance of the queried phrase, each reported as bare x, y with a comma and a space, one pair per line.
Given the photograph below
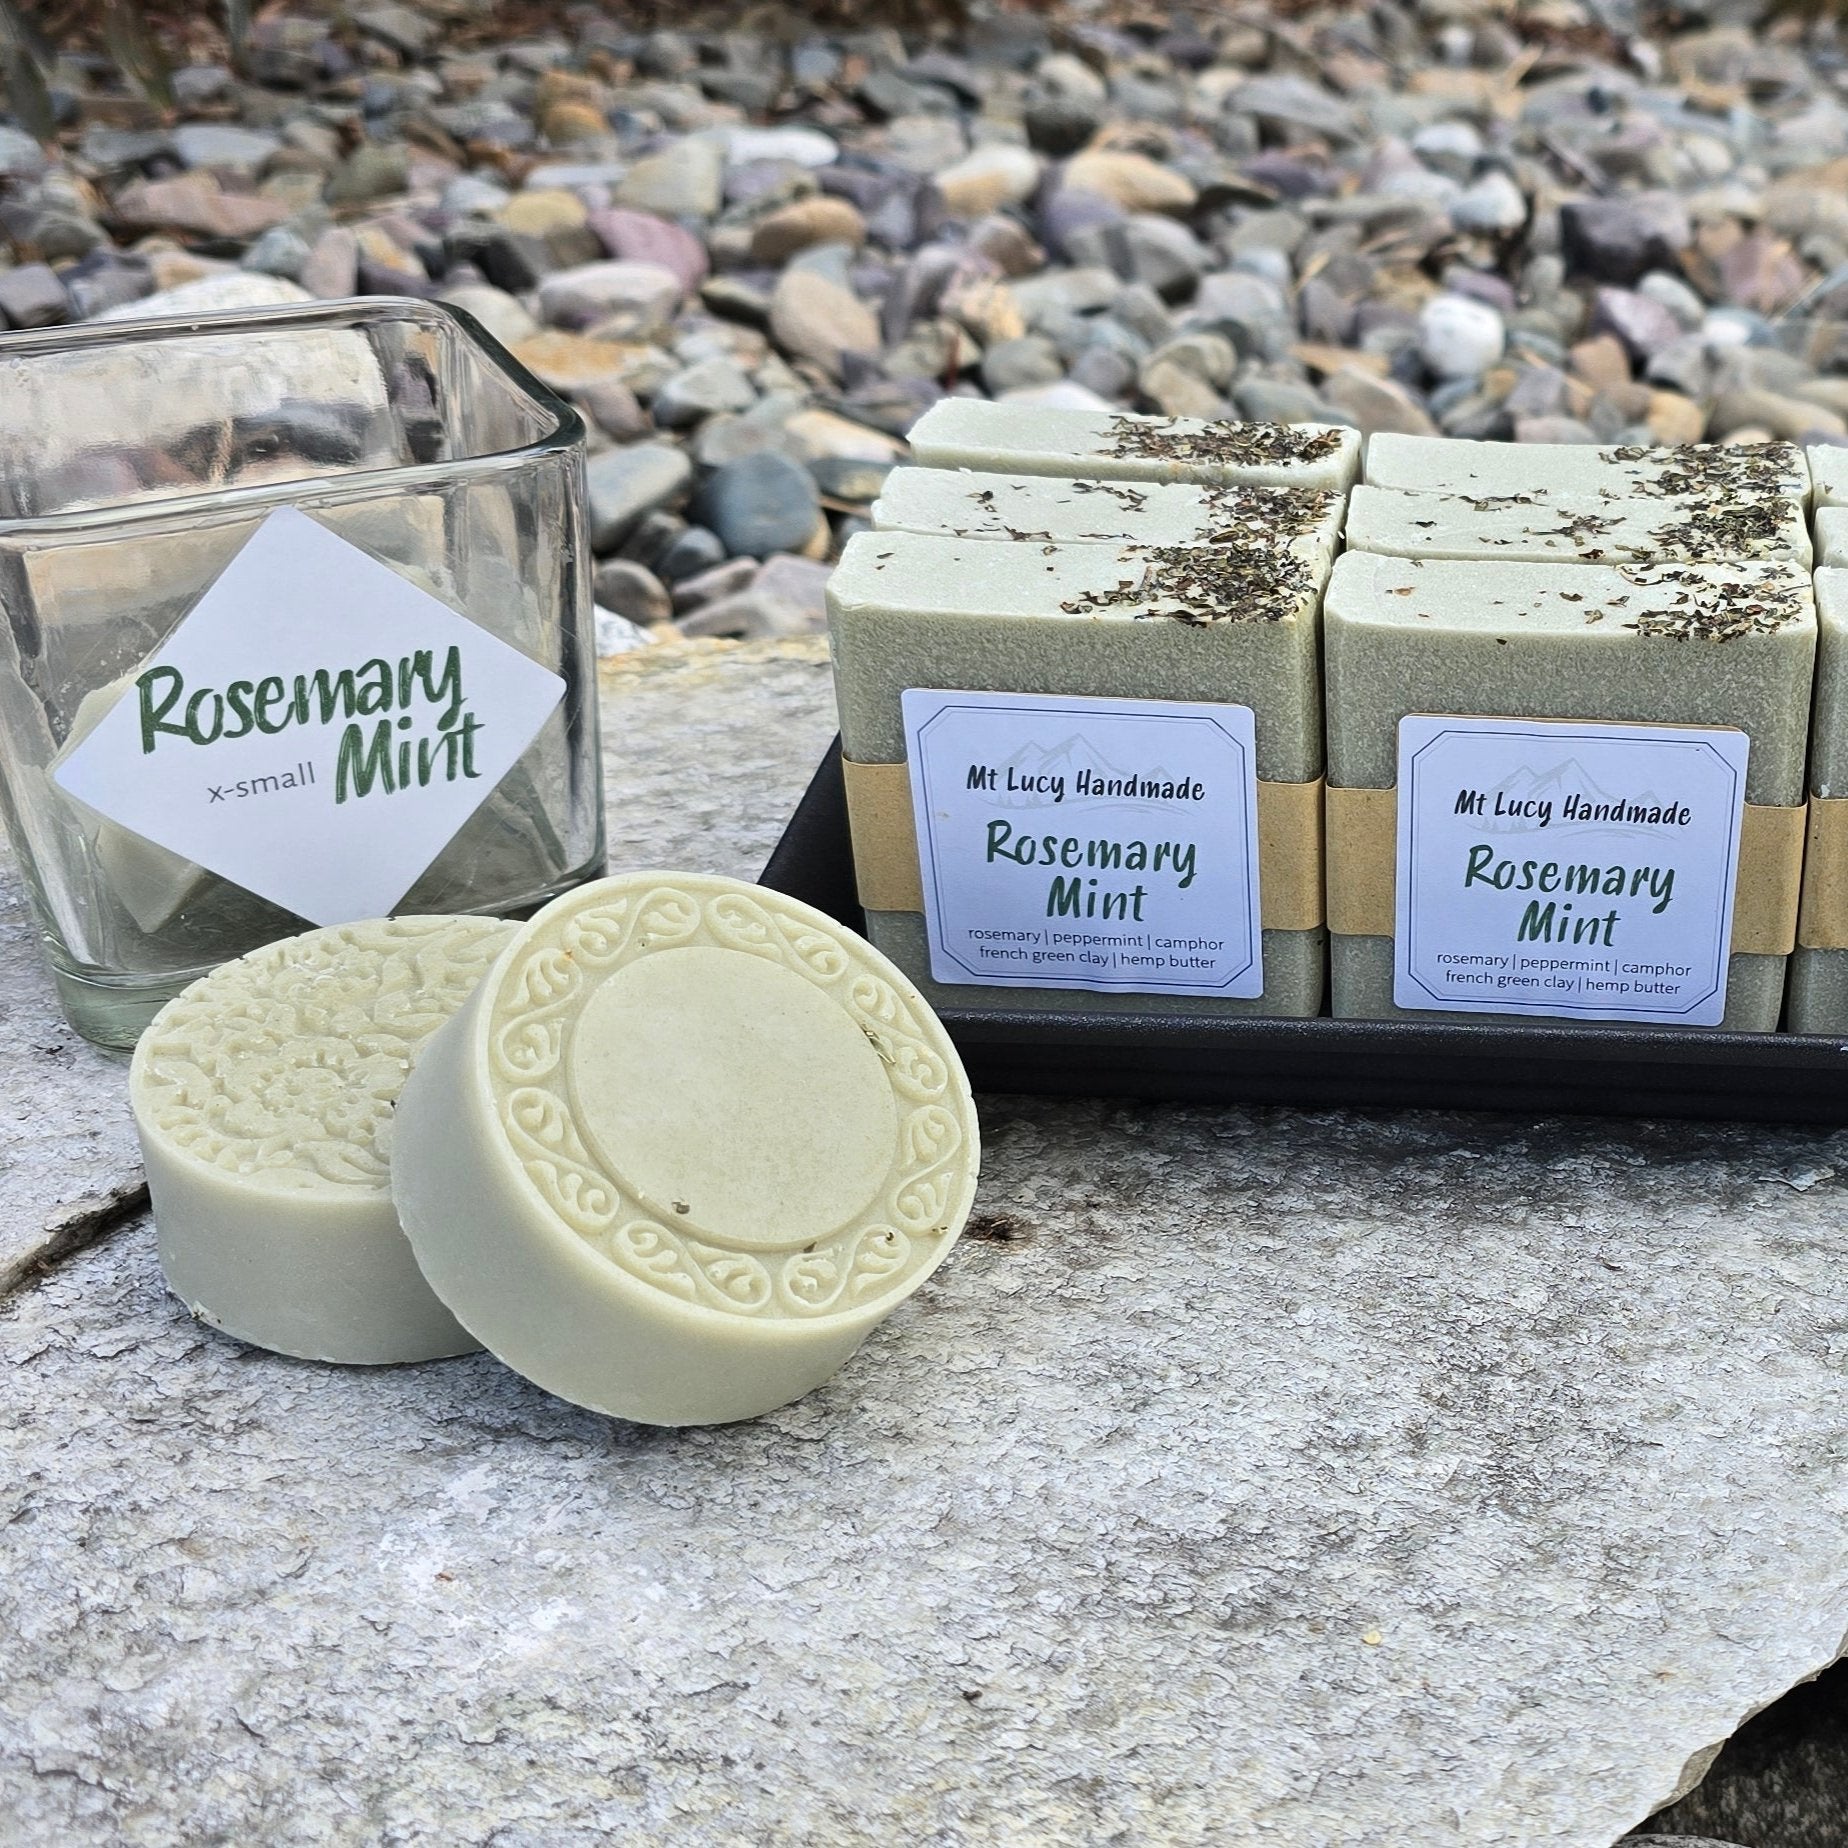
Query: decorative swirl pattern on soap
878, 1253
287, 1063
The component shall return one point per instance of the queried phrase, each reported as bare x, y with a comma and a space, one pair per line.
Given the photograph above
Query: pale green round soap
684, 1148
264, 1097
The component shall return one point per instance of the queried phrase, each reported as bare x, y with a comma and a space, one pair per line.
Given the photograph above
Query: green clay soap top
685, 1147
1046, 509
1829, 471
1701, 472
1832, 536
1020, 439
1232, 623
1682, 644
1603, 525
264, 1096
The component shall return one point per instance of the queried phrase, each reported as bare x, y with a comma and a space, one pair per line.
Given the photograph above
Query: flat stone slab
1246, 1475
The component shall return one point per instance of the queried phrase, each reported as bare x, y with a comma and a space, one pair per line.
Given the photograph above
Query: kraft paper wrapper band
885, 845
1363, 855
1824, 923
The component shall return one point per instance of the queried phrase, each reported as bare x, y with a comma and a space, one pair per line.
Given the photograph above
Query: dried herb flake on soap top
1228, 581
1705, 611
1735, 501
1252, 444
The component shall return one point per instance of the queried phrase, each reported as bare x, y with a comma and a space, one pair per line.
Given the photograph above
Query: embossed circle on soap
543, 988
682, 1108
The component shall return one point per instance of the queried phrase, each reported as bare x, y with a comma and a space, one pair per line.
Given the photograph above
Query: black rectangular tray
1403, 1065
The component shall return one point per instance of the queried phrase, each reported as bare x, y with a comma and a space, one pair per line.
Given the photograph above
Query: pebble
760, 504
781, 234
988, 178
756, 262
1493, 205
641, 237
631, 590
1129, 180
32, 296
639, 298
712, 387
623, 484
815, 319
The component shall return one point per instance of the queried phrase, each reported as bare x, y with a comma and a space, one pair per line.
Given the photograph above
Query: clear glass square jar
137, 457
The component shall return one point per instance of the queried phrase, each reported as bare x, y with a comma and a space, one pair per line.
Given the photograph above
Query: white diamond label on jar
316, 730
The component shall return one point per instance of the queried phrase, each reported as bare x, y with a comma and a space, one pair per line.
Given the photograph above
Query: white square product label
1579, 870
317, 728
1087, 843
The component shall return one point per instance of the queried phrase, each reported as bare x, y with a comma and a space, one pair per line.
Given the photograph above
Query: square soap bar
1680, 644
1701, 473
1230, 624
1829, 472
1832, 535
1031, 439
969, 504
1602, 526
1819, 977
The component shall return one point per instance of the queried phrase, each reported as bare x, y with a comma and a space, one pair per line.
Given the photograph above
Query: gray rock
1540, 391
1210, 357
624, 484
1278, 401
503, 315
280, 251
632, 591
805, 147
1145, 247
704, 390
332, 268
612, 407
1251, 309
631, 301
1139, 309
1620, 239
1459, 338
1641, 322
374, 170
223, 147
1450, 146
21, 157
1292, 104
1031, 359
33, 296
1493, 205
817, 319
759, 504
684, 180
1059, 125
403, 28
849, 478
510, 260
1553, 430
1672, 293
708, 586
1104, 370
102, 281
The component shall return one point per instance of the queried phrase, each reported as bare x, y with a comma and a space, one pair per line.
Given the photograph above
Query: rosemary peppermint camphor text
378, 704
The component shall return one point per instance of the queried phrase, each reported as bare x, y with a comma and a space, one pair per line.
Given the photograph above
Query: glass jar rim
565, 429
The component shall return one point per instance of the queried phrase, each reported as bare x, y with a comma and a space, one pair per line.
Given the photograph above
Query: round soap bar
263, 1095
684, 1147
